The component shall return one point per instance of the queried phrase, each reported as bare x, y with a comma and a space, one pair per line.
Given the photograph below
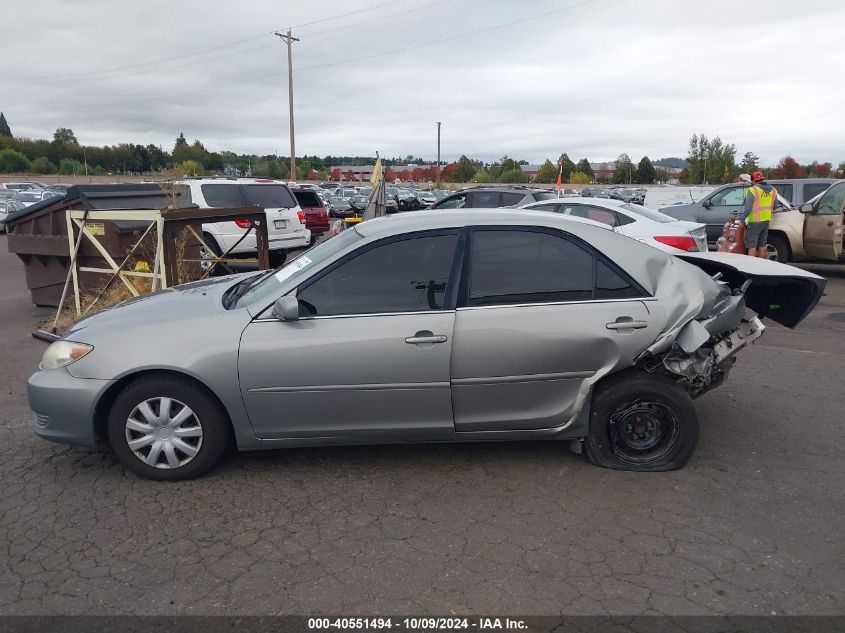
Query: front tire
641, 422
167, 428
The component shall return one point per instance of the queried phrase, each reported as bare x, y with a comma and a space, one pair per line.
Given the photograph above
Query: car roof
440, 219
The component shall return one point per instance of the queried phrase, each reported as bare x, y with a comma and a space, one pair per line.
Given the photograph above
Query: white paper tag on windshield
298, 264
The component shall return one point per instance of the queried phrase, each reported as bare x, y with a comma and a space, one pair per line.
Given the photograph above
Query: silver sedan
427, 327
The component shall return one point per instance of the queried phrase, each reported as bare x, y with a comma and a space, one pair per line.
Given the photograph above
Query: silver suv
493, 197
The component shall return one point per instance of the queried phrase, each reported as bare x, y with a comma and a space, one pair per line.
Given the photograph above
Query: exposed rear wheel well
104, 405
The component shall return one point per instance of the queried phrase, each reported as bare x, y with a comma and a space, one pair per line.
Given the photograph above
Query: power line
345, 60
205, 50
236, 53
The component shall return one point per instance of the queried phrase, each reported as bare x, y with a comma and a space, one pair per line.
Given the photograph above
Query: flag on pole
559, 176
377, 172
377, 204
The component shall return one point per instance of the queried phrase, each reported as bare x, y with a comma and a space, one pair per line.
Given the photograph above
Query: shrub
12, 161
70, 167
513, 175
42, 166
580, 178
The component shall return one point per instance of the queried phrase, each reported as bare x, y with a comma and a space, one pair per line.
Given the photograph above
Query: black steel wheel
641, 422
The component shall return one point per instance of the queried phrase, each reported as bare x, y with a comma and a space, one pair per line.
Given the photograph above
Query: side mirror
286, 308
706, 203
807, 207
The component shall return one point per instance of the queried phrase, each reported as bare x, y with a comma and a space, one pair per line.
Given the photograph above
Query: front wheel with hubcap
641, 422
167, 428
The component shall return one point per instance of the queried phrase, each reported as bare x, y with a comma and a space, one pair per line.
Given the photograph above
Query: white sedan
640, 223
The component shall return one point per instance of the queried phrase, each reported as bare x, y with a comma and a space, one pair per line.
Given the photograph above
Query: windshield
27, 196
646, 212
301, 265
307, 199
269, 196
338, 200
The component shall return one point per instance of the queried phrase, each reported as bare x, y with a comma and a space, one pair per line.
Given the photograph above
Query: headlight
62, 353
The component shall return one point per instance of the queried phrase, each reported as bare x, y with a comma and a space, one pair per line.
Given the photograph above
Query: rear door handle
426, 338
626, 323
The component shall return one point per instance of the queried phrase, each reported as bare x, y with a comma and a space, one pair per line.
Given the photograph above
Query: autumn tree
788, 167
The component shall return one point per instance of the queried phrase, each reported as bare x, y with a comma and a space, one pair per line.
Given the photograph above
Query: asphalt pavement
752, 525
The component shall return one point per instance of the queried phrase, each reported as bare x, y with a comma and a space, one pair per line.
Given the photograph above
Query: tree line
708, 160
712, 161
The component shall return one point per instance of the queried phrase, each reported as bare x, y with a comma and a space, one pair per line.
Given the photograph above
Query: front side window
223, 196
455, 202
410, 275
732, 197
269, 196
513, 266
832, 200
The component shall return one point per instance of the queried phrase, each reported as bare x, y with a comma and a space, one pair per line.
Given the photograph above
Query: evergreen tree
645, 173
584, 167
4, 127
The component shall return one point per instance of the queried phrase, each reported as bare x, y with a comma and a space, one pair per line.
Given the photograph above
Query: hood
776, 291
173, 305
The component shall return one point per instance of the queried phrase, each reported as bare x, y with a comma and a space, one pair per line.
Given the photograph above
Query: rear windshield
651, 214
269, 196
223, 196
307, 199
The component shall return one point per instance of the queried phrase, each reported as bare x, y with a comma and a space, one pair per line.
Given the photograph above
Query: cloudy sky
528, 79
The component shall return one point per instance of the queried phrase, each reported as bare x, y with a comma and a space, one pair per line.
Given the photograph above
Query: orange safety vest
764, 204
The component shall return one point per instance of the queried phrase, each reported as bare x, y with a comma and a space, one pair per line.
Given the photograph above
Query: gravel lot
753, 525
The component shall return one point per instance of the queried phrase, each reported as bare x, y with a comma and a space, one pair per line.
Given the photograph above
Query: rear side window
484, 200
527, 267
269, 196
547, 195
786, 190
812, 190
610, 285
511, 199
596, 214
223, 196
307, 199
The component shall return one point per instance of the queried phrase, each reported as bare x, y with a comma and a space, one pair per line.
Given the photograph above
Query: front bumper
63, 406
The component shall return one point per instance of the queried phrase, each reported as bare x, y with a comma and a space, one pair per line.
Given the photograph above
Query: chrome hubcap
164, 433
771, 252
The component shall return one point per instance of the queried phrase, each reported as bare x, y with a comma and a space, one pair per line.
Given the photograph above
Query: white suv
285, 220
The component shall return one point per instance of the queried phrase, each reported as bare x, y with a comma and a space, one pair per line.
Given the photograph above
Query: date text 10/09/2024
417, 624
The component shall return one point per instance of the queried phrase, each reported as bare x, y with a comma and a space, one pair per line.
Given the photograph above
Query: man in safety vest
760, 201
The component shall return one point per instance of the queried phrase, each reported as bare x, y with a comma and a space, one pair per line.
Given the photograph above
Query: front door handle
626, 323
426, 337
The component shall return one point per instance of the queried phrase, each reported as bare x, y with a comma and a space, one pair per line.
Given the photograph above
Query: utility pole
437, 180
290, 39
